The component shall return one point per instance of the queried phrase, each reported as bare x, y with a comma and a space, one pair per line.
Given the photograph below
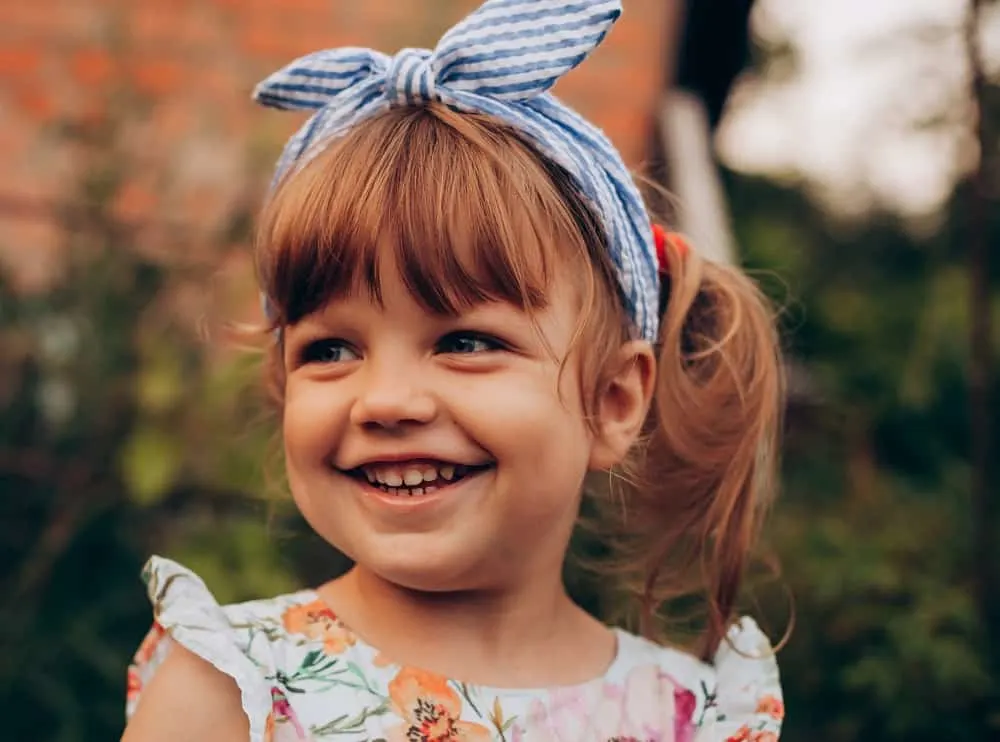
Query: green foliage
121, 435
874, 524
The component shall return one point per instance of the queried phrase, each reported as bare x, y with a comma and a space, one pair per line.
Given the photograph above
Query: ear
623, 404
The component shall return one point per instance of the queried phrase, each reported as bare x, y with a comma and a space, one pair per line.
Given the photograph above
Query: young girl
471, 311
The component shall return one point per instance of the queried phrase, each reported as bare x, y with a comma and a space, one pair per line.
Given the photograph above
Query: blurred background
843, 150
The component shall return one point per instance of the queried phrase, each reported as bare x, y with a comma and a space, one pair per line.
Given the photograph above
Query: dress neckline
627, 648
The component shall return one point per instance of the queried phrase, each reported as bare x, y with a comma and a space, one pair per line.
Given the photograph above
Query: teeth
404, 479
413, 477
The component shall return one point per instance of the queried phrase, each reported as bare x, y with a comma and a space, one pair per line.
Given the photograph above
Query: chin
431, 569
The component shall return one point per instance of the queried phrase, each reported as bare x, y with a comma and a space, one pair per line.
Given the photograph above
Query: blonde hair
493, 221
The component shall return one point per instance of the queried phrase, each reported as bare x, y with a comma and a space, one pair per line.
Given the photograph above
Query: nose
392, 396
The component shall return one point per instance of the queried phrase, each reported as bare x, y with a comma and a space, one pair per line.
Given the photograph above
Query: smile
414, 478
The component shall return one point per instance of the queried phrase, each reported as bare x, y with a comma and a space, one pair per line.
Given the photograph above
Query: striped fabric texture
501, 61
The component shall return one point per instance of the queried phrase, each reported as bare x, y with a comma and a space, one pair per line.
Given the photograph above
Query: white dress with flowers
303, 675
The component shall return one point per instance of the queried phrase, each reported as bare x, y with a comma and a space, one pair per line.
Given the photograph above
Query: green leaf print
312, 658
499, 721
318, 673
464, 689
350, 724
360, 675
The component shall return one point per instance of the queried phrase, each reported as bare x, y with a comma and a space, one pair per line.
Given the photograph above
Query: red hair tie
662, 238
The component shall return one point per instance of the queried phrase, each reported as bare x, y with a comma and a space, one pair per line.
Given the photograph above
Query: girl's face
439, 453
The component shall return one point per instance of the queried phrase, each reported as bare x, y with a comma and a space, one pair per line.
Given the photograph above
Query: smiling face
448, 314
475, 403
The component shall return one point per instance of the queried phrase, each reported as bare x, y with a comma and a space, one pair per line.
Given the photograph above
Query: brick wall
193, 140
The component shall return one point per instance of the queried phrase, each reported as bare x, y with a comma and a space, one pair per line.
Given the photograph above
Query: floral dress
304, 676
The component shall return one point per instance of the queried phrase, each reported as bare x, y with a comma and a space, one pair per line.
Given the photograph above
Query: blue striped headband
500, 61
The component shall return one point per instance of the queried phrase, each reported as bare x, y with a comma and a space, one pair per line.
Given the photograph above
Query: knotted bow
500, 61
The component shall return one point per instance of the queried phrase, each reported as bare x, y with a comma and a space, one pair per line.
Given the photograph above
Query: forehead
397, 288
461, 216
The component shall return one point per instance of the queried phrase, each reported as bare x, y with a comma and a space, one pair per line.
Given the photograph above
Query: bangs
458, 204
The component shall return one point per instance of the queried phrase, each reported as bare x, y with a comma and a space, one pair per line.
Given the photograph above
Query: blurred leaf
160, 381
150, 464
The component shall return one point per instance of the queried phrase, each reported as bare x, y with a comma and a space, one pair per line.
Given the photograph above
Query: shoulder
737, 697
188, 698
204, 666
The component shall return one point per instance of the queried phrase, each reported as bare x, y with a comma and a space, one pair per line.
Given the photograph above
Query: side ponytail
706, 474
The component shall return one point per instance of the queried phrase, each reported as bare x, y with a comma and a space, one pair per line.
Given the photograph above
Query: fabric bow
500, 61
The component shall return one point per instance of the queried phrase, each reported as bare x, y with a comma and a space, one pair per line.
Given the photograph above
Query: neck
501, 637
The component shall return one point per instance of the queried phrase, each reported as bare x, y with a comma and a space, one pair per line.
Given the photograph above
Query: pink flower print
284, 713
644, 708
685, 704
648, 706
564, 715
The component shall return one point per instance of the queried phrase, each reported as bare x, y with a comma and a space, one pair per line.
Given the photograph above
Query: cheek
530, 424
309, 424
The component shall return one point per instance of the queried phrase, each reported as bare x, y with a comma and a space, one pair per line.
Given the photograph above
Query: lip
421, 457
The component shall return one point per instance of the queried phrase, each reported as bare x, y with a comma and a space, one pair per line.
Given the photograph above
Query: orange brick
93, 113
85, 20
217, 82
220, 48
229, 6
28, 18
203, 26
263, 41
382, 13
150, 23
19, 60
637, 35
134, 202
165, 26
30, 251
628, 130
92, 67
35, 102
61, 20
172, 122
16, 136
157, 77
319, 8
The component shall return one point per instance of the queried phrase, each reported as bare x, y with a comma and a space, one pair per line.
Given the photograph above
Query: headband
500, 61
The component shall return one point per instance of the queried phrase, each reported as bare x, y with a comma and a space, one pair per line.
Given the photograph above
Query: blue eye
468, 342
328, 351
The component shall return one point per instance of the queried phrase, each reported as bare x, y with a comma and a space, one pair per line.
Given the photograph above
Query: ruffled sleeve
748, 700
186, 613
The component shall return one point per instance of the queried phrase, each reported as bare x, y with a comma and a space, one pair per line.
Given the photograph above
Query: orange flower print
134, 685
773, 707
316, 621
380, 660
744, 734
149, 644
431, 710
